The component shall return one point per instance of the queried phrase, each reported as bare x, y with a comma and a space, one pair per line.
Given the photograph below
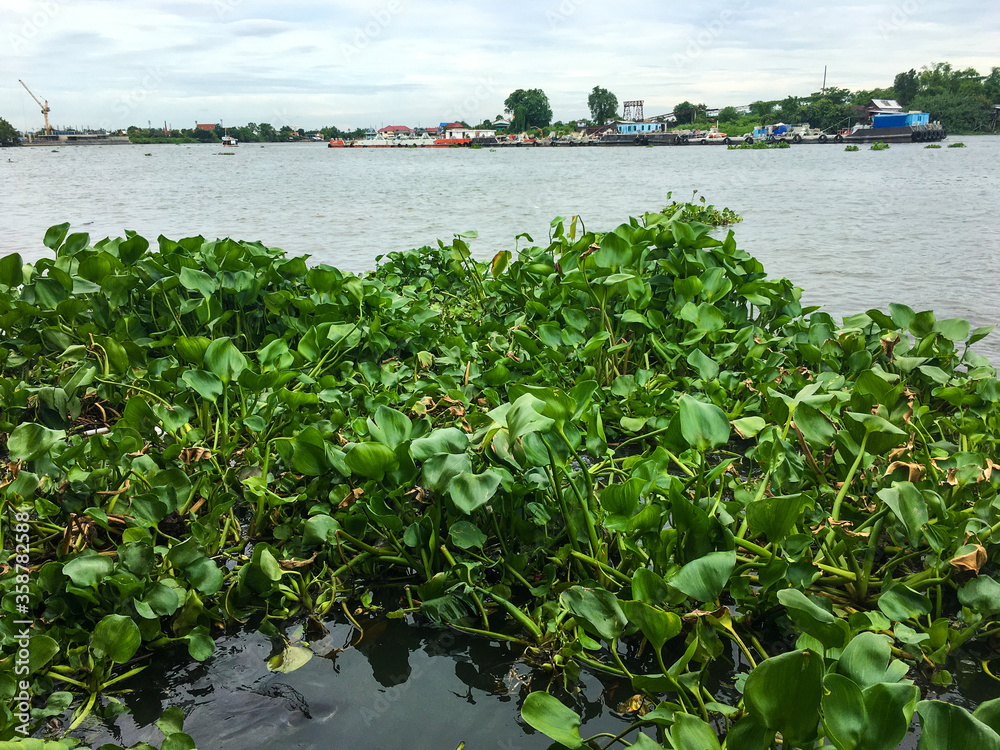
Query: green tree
603, 105
8, 135
957, 113
728, 114
205, 136
761, 110
267, 132
991, 86
789, 110
534, 102
825, 113
686, 112
905, 86
518, 122
285, 133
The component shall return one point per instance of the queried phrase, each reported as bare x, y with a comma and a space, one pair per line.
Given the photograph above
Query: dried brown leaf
971, 562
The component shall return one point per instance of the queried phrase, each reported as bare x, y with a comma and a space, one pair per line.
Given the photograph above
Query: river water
855, 230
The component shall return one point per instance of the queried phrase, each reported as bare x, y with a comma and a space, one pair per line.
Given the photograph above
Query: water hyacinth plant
630, 452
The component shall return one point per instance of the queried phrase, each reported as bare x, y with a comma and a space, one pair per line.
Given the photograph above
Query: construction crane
45, 107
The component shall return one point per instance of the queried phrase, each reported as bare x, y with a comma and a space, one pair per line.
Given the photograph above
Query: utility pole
824, 81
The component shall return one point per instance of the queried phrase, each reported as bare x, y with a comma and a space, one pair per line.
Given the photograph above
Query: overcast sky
308, 63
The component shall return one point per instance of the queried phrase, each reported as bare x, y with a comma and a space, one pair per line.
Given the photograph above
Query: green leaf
893, 705
882, 435
944, 726
447, 440
200, 644
470, 492
11, 270
198, 281
390, 427
465, 535
844, 715
657, 625
775, 516
865, 659
88, 570
825, 627
30, 441
783, 693
545, 713
902, 603
705, 578
989, 714
292, 658
225, 360
953, 329
707, 368
691, 732
192, 349
171, 721
320, 529
748, 427
981, 595
308, 453
55, 235
371, 460
908, 504
704, 426
649, 587
116, 637
525, 415
596, 609
204, 383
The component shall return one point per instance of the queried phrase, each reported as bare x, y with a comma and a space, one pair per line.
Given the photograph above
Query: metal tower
633, 111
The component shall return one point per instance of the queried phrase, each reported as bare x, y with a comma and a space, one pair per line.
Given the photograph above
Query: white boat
228, 140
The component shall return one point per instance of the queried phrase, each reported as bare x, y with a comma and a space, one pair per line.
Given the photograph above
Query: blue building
635, 128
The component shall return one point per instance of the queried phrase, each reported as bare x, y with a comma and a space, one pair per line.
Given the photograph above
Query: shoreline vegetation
627, 452
963, 101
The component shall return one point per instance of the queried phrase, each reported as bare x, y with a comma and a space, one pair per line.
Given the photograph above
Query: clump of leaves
879, 146
957, 144
628, 437
698, 210
852, 147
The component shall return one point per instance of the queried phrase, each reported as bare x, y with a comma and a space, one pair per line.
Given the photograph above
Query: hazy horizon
352, 64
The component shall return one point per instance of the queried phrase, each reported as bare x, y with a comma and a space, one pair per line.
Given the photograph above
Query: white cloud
358, 63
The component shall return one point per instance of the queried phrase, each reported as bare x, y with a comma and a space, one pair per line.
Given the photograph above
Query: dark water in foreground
855, 230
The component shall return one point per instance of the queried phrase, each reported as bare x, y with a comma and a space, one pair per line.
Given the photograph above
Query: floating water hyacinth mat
630, 452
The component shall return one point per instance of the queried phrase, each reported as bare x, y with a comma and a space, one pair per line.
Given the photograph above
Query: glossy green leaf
549, 716
116, 637
945, 726
704, 579
30, 441
656, 624
596, 609
784, 692
371, 460
704, 426
822, 625
225, 360
691, 732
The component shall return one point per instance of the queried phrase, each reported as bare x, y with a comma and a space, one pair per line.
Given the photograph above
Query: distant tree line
962, 100
8, 134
